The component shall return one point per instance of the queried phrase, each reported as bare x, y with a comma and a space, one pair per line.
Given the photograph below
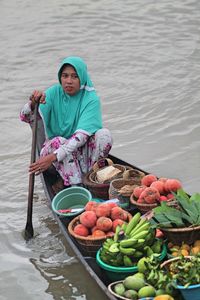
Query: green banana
141, 235
141, 222
124, 226
140, 243
128, 243
127, 251
133, 222
114, 248
116, 235
127, 261
145, 226
138, 254
148, 251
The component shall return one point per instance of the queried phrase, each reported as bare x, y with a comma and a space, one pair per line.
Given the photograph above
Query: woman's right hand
37, 96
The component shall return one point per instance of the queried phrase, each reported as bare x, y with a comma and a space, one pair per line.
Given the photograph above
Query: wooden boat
88, 262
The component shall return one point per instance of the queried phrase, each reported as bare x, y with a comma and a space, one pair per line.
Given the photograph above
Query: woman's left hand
42, 164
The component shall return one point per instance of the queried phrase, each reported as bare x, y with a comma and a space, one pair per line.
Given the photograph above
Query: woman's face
70, 81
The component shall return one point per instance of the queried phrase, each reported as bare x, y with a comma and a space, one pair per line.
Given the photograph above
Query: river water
144, 59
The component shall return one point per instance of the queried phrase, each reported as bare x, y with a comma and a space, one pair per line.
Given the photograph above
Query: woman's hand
42, 164
37, 96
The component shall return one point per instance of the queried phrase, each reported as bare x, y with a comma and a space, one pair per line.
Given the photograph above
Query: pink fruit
91, 205
88, 219
150, 195
172, 185
170, 196
148, 179
118, 213
159, 185
138, 190
81, 230
163, 198
104, 224
117, 222
98, 233
140, 200
103, 210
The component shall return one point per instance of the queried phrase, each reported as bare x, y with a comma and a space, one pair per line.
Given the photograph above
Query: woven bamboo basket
143, 207
116, 187
134, 174
99, 190
178, 235
93, 175
89, 245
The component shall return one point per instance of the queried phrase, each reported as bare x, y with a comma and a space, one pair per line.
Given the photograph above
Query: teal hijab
63, 114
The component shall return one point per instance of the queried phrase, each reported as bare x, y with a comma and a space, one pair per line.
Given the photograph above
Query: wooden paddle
28, 233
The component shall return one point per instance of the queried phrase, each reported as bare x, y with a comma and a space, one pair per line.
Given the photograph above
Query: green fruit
133, 283
157, 246
160, 292
139, 275
169, 289
147, 291
142, 268
119, 289
131, 294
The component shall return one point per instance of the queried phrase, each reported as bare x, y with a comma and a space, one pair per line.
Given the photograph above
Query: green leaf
166, 214
189, 208
195, 197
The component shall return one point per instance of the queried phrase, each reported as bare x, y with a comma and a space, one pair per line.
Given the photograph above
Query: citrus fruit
133, 283
147, 291
130, 294
119, 289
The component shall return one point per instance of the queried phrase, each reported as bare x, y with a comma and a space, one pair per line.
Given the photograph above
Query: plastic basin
120, 273
73, 197
192, 292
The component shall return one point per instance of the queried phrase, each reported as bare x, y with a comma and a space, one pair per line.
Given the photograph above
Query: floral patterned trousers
80, 161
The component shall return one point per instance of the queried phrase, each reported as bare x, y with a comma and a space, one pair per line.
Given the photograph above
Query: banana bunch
130, 243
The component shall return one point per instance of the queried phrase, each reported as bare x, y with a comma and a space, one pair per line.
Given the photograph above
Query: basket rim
87, 182
112, 292
182, 229
150, 205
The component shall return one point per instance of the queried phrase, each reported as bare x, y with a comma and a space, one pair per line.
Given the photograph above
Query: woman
72, 119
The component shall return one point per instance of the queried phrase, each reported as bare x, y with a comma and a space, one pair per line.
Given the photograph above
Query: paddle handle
29, 226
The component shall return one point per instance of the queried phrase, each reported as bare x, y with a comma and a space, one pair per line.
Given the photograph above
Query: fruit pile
153, 190
137, 239
184, 249
135, 287
100, 220
184, 271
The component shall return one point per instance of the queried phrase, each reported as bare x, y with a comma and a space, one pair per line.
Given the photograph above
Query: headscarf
63, 114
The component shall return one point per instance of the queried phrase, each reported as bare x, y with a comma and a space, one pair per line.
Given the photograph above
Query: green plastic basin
72, 197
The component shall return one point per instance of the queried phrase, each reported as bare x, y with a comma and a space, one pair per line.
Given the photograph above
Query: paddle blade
28, 232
